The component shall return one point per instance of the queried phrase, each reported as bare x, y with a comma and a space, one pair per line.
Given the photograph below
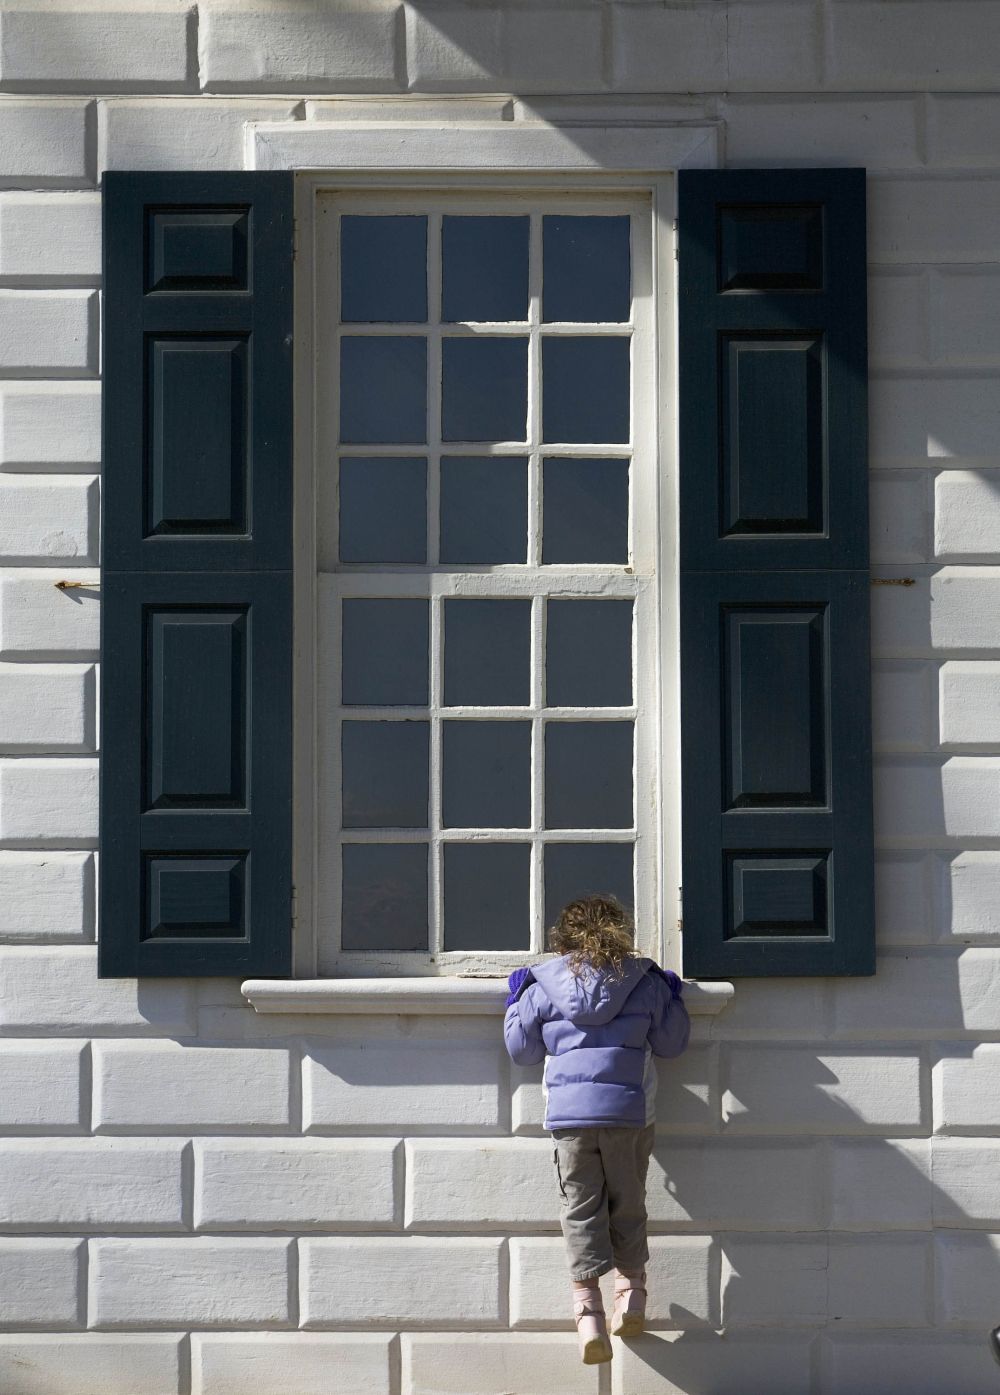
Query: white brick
86, 49
789, 1089
269, 1363
198, 1282
967, 514
922, 993
965, 304
964, 605
205, 134
904, 704
879, 1280
453, 46
414, 106
790, 1007
465, 1183
46, 896
57, 990
48, 801
320, 1183
57, 1363
904, 910
898, 333
681, 1282
306, 49
965, 1277
878, 132
924, 1364
734, 1183
48, 518
40, 1086
880, 1184
780, 1282
772, 47
969, 893
48, 707
677, 48
933, 220
931, 798
90, 1183
400, 1082
168, 1086
39, 620
554, 49
905, 46
900, 516
50, 425
47, 236
970, 693
48, 334
665, 1364
401, 1282
966, 1099
963, 131
44, 142
522, 1362
39, 1282
923, 420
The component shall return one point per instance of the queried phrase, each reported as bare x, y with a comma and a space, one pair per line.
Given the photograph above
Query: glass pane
486, 902
384, 896
383, 389
585, 389
384, 653
585, 511
586, 272
484, 509
487, 653
484, 272
383, 509
383, 269
588, 775
485, 774
588, 654
484, 389
385, 773
586, 869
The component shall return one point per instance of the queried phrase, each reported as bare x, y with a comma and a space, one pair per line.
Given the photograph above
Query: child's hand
676, 984
514, 984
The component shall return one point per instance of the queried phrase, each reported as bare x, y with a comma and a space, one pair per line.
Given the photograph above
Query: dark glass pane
383, 509
573, 870
487, 653
585, 389
384, 896
383, 390
486, 774
384, 653
585, 268
385, 774
588, 654
486, 903
484, 268
588, 775
383, 269
484, 509
484, 389
585, 511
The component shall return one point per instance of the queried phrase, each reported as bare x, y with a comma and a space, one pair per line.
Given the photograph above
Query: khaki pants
602, 1186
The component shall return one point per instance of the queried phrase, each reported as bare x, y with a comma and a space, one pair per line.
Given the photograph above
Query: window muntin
530, 463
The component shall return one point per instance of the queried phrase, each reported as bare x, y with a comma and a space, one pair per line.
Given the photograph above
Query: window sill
465, 996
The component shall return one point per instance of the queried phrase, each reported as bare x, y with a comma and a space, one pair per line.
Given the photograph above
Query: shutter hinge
677, 250
295, 906
295, 238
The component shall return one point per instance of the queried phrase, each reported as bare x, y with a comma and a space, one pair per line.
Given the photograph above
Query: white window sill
421, 995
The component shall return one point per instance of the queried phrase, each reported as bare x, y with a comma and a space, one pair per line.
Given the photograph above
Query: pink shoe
592, 1329
629, 1319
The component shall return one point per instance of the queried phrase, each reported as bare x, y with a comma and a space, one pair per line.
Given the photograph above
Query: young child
597, 1015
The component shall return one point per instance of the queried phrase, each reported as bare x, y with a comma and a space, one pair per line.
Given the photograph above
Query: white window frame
583, 156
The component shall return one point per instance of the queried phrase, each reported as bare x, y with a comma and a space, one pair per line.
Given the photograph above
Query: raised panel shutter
775, 688
197, 599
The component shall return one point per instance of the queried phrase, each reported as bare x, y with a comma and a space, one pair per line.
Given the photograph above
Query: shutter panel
196, 587
778, 857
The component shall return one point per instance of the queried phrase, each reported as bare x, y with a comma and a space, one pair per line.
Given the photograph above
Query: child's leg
583, 1211
625, 1155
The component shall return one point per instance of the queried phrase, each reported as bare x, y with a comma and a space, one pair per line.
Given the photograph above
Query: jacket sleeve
671, 1027
522, 1029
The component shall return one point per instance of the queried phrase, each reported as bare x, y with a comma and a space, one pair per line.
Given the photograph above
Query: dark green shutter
775, 689
197, 598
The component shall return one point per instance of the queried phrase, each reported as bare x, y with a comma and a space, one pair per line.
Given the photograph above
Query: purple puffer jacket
598, 1034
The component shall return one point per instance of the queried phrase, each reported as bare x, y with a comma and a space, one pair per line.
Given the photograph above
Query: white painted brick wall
46, 143
48, 707
462, 1184
674, 1364
113, 1363
48, 802
56, 990
48, 334
46, 896
169, 1087
880, 1184
48, 518
84, 49
262, 48
40, 1283
965, 1267
403, 1282
53, 237
904, 906
969, 886
181, 135
808, 1090
40, 1087
49, 425
269, 1363
90, 1183
38, 620
702, 1184
921, 1364
965, 1094
454, 1364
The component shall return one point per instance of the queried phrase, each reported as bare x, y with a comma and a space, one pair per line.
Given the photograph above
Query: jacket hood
591, 996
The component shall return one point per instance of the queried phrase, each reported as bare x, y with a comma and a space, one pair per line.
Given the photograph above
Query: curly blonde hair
596, 930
